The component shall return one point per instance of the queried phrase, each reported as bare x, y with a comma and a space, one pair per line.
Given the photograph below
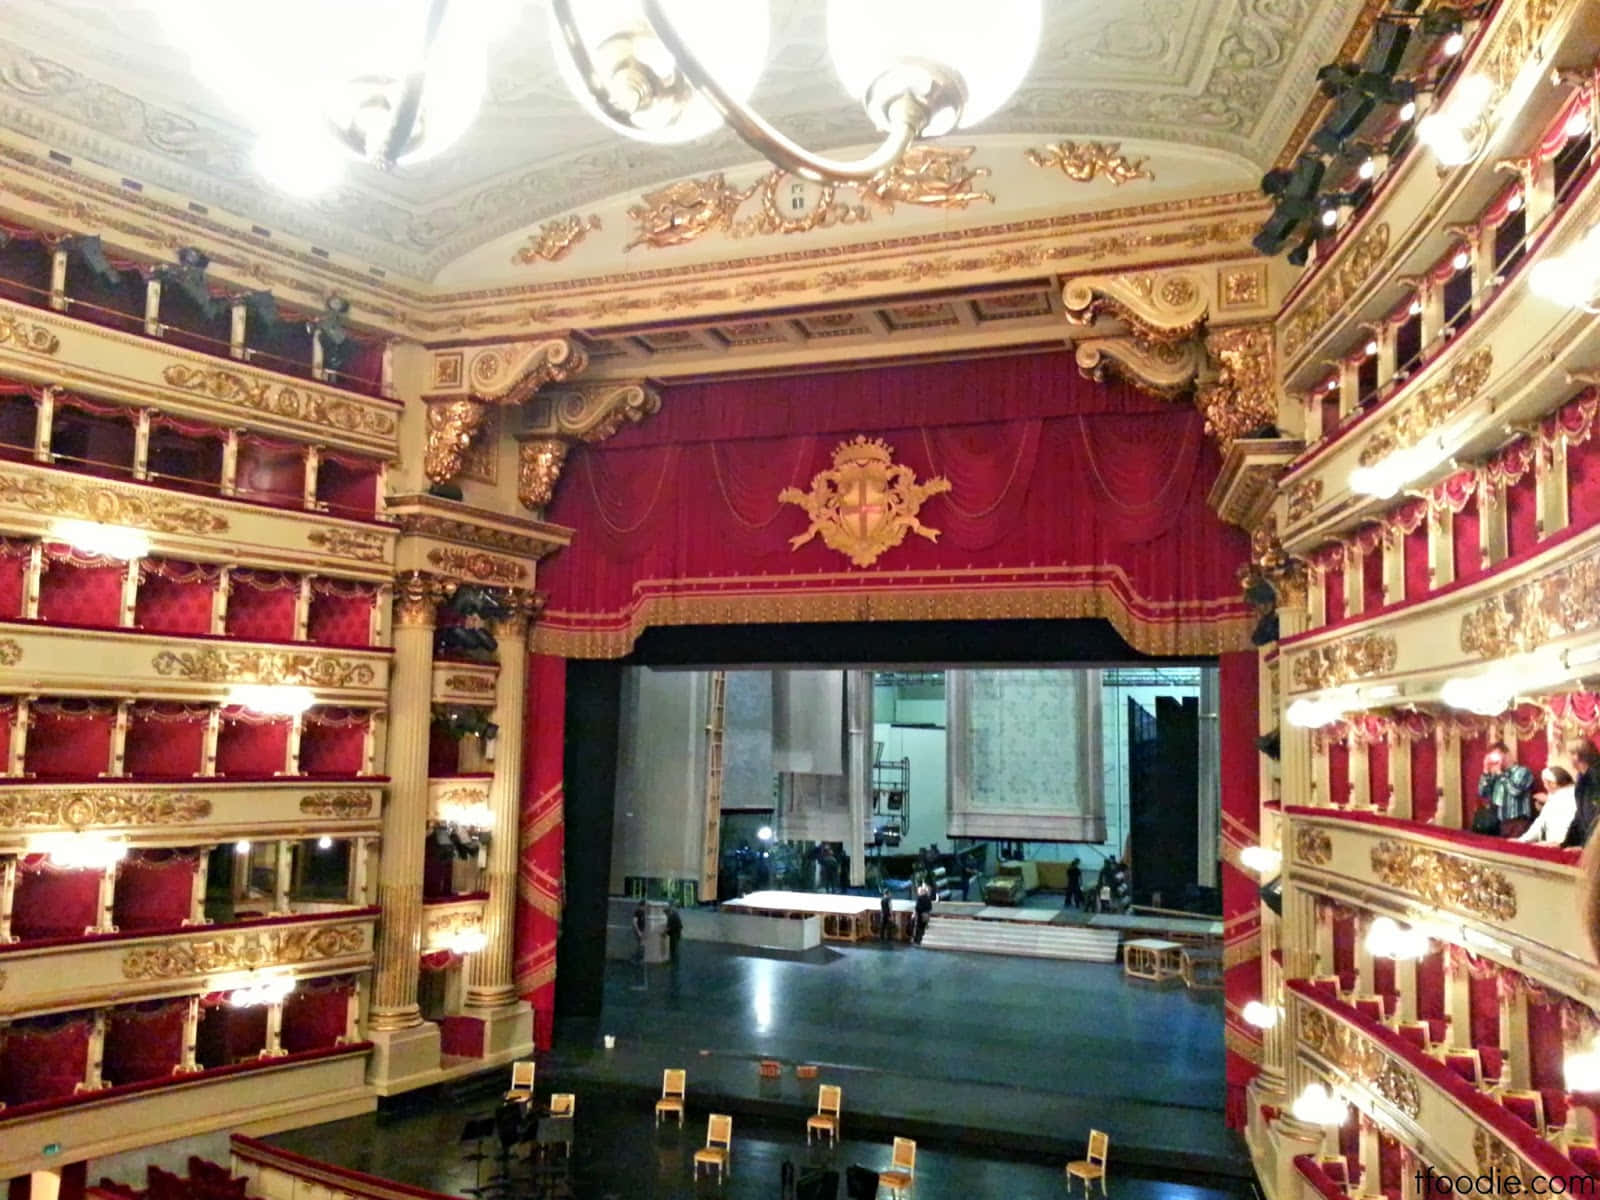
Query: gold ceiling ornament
417, 596
1495, 1158
1431, 407
360, 544
1445, 880
539, 463
10, 652
1351, 272
477, 565
294, 667
452, 424
865, 504
107, 505
1344, 661
555, 239
1081, 162
1163, 369
689, 209
278, 400
1312, 846
25, 335
522, 608
1530, 614
346, 805
1302, 497
25, 808
243, 951
1160, 308
1244, 396
475, 684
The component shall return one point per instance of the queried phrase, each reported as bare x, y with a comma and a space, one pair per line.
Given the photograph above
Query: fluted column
405, 817
490, 977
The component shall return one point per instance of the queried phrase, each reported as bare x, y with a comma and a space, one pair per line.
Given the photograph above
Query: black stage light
1260, 594
1266, 630
92, 254
1301, 253
262, 307
1272, 895
190, 276
1270, 744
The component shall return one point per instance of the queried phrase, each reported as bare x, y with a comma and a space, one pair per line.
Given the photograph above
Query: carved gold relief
1083, 161
1271, 564
1495, 1158
539, 463
24, 808
1344, 661
242, 951
522, 608
1164, 369
1157, 308
1312, 846
107, 506
452, 424
439, 927
1446, 880
865, 504
1244, 397
590, 411
25, 335
1430, 408
361, 544
1360, 1059
475, 564
1527, 615
555, 239
1303, 497
279, 400
476, 684
10, 652
511, 374
337, 804
1242, 287
1348, 276
417, 596
296, 667
455, 530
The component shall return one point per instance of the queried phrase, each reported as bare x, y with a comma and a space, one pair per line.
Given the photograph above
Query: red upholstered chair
1466, 1064
1525, 1106
1555, 1110
1585, 1157
1493, 1060
1438, 1030
1370, 1007
54, 902
1337, 1171
1391, 1004
1415, 1032
1328, 985
1348, 981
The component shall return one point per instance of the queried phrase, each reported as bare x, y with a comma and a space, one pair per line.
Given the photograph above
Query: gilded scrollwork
476, 685
453, 529
1312, 846
1363, 1061
243, 951
1432, 407
10, 652
452, 424
294, 667
865, 504
555, 239
25, 335
439, 927
1530, 614
1244, 396
1349, 275
108, 505
1270, 563
279, 400
34, 808
1445, 880
346, 805
539, 463
1082, 162
1160, 309
1163, 369
1302, 497
1344, 661
590, 411
476, 565
417, 596
361, 544
522, 608
1495, 1158
511, 374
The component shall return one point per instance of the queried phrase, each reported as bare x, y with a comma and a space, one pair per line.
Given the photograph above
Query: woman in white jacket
1560, 806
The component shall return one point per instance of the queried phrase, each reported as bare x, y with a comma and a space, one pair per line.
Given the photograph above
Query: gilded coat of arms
866, 504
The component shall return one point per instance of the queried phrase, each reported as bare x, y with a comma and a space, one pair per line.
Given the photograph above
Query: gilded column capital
417, 596
1244, 396
452, 424
522, 609
539, 463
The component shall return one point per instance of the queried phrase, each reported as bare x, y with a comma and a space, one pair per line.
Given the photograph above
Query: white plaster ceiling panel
96, 79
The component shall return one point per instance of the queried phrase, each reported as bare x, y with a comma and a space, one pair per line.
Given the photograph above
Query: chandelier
395, 82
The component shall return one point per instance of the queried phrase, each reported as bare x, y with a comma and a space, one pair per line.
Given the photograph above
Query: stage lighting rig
189, 276
89, 251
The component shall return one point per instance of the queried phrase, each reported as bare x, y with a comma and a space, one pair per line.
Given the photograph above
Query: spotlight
1370, 349
1461, 261
1262, 1016
1306, 713
1582, 1070
1317, 1106
1415, 308
89, 252
1332, 384
104, 541
1514, 202
324, 842
1270, 744
1260, 860
241, 847
1368, 168
1455, 44
1577, 124
764, 834
1330, 217
1408, 110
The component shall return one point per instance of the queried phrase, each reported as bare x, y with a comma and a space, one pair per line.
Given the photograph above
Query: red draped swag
542, 841
1240, 773
1069, 498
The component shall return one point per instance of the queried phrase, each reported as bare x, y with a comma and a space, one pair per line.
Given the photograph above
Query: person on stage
886, 915
924, 910
674, 931
641, 921
1074, 886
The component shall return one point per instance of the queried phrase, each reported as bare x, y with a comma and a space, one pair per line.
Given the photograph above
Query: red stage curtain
314, 1014
14, 553
78, 589
229, 1035
1483, 1003
541, 841
154, 890
175, 597
1424, 778
340, 614
261, 606
143, 1041
1070, 499
54, 903
1546, 1046
1339, 772
1430, 984
69, 739
248, 744
332, 740
44, 1058
165, 741
1239, 765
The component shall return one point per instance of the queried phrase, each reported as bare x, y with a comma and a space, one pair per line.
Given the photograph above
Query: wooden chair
563, 1104
1092, 1167
671, 1095
826, 1118
902, 1167
718, 1148
1466, 1064
521, 1081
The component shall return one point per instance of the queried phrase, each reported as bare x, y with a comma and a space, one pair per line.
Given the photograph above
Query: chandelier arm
910, 115
405, 113
562, 10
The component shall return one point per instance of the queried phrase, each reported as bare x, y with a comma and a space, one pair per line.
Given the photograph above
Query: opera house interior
648, 598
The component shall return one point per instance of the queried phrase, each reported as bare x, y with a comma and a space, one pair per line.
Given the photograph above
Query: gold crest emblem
866, 504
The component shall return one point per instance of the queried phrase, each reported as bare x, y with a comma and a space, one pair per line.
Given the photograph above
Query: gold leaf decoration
866, 504
10, 652
1446, 880
1244, 396
1303, 497
29, 808
107, 505
452, 529
1349, 275
1312, 846
296, 667
25, 335
280, 400
1343, 661
476, 684
1430, 408
555, 239
337, 804
360, 544
242, 951
1495, 1158
1347, 1049
475, 564
1527, 615
1083, 161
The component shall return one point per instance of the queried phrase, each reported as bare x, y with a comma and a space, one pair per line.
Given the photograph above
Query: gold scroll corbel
1157, 307
556, 420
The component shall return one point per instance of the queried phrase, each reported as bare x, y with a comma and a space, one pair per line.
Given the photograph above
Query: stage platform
844, 918
1141, 925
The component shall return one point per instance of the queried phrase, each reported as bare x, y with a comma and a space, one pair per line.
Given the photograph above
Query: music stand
474, 1131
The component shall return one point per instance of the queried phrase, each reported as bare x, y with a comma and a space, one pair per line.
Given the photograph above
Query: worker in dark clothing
1074, 886
924, 910
674, 931
885, 916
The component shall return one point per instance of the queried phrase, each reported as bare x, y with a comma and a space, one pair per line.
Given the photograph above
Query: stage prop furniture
1092, 1167
672, 1087
826, 1118
1003, 889
902, 1167
563, 1104
718, 1148
521, 1090
1152, 958
1201, 968
844, 918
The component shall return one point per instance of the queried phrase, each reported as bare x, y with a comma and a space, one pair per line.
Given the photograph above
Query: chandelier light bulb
1484, 695
1461, 260
1514, 202
324, 842
1408, 110
1368, 168
1306, 713
1262, 1016
1371, 348
241, 847
271, 699
105, 541
1261, 860
79, 851
1315, 1105
1570, 280
263, 993
1455, 44
469, 941
1582, 1071
1577, 125
1414, 309
1330, 217
764, 834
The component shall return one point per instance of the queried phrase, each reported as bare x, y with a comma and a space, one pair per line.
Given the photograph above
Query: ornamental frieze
10, 652
296, 667
1244, 397
474, 564
1445, 880
555, 239
1303, 497
337, 804
1160, 309
1433, 406
1082, 162
1360, 1059
279, 400
475, 684
1530, 614
243, 951
441, 926
1344, 661
360, 544
1312, 846
452, 529
25, 335
1493, 1156
26, 808
1347, 278
108, 506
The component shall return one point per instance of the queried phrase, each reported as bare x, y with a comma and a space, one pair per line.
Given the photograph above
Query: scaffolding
891, 801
